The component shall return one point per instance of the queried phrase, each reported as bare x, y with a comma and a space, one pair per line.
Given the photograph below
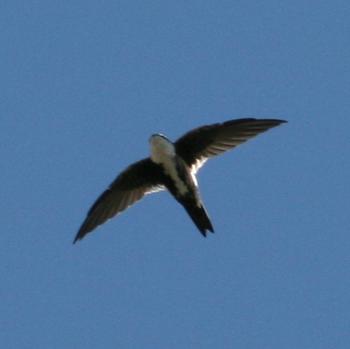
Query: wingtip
275, 121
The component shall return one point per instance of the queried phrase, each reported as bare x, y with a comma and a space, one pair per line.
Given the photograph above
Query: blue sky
83, 85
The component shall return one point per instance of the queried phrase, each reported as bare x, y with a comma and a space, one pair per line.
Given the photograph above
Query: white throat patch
163, 153
161, 149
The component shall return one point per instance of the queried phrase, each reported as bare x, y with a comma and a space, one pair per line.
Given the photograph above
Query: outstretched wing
202, 143
131, 185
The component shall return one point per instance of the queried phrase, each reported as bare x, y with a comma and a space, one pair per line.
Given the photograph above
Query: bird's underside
162, 171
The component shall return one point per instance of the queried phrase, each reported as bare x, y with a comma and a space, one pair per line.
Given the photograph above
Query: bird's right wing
130, 186
202, 143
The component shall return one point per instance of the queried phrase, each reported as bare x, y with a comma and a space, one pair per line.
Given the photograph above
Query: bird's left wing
202, 143
131, 185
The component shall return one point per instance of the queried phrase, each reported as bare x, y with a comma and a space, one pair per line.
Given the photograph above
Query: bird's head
161, 147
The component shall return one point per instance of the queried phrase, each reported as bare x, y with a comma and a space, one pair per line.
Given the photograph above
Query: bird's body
180, 181
173, 166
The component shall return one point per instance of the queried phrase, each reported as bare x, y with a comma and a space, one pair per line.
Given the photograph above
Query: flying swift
173, 167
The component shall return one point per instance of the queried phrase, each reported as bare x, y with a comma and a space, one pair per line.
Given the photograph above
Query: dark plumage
173, 167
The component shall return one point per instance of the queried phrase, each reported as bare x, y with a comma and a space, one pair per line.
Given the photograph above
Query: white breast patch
170, 169
163, 152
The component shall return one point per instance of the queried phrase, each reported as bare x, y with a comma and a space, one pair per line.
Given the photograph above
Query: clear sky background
83, 86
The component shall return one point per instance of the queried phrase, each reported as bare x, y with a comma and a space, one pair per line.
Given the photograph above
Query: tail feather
200, 218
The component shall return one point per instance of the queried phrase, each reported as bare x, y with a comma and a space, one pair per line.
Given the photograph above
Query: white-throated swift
173, 166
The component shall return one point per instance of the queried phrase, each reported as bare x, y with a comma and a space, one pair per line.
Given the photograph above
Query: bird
173, 167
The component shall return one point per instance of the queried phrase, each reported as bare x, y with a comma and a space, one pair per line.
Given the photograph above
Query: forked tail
199, 217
